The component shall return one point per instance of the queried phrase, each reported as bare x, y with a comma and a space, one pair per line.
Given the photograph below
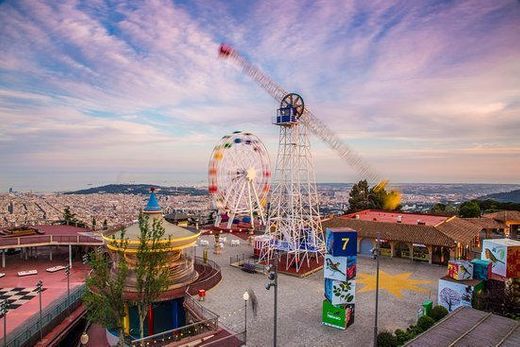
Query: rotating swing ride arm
316, 126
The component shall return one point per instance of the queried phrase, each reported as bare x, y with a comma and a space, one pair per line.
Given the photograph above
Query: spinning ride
294, 224
239, 173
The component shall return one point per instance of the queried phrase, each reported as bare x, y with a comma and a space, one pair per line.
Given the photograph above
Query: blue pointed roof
153, 204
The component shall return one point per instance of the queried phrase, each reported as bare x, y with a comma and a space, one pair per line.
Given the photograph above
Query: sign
341, 243
333, 316
339, 292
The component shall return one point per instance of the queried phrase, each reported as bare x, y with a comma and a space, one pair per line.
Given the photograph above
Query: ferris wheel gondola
239, 175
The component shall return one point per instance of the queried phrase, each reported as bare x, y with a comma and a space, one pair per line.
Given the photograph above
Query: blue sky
107, 91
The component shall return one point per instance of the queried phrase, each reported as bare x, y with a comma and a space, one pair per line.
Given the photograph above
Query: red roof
61, 229
392, 217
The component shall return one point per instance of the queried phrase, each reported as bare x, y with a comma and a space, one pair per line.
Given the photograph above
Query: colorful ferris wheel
239, 174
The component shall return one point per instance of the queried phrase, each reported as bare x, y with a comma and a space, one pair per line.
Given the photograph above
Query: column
50, 253
70, 256
3, 257
392, 249
126, 320
430, 253
410, 247
150, 320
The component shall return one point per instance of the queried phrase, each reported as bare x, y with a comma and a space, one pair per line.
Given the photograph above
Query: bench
235, 243
249, 267
56, 268
27, 273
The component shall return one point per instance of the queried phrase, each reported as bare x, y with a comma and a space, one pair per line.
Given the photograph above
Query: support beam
70, 256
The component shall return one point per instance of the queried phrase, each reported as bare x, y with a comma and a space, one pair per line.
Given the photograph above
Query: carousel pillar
150, 320
126, 321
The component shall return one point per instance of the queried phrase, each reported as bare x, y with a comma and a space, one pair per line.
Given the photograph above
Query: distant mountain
512, 196
140, 189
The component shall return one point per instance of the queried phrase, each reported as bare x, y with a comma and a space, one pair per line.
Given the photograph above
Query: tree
151, 269
359, 197
105, 286
362, 197
469, 209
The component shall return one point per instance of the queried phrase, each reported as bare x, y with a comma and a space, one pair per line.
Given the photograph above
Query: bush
425, 323
386, 339
438, 312
402, 336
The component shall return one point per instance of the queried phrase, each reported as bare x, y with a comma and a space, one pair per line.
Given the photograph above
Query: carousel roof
178, 236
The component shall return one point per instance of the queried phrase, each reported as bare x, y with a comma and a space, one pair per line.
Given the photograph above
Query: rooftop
469, 327
393, 217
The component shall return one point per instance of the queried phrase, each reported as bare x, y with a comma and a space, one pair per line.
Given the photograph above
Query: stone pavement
300, 301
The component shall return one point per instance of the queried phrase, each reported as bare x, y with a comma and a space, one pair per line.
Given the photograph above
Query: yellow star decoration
393, 284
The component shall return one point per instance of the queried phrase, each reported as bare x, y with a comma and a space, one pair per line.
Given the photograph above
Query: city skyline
93, 93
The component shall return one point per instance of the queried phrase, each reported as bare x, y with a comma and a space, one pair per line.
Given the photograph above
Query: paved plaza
405, 286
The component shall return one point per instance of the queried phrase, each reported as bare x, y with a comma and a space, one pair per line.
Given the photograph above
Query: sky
95, 92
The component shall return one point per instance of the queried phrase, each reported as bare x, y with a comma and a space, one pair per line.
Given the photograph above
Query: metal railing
28, 334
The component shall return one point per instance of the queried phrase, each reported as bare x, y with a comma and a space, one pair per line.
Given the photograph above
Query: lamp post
39, 287
245, 296
273, 277
4, 312
376, 252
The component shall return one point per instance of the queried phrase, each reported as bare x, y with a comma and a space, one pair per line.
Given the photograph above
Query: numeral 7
345, 242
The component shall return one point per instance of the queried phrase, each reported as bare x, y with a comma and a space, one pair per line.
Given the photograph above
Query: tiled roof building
420, 237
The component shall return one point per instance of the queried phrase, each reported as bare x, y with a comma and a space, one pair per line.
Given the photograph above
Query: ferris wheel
239, 173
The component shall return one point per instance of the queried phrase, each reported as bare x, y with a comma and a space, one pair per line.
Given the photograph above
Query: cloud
91, 84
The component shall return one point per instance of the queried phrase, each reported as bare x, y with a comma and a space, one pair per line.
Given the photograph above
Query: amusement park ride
294, 226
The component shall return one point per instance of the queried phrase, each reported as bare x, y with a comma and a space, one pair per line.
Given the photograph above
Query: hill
512, 196
140, 189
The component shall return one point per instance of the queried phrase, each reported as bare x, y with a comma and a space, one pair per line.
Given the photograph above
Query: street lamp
39, 287
245, 296
376, 252
4, 309
273, 282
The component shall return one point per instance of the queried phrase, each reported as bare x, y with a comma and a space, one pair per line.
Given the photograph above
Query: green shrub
425, 322
438, 312
386, 339
402, 336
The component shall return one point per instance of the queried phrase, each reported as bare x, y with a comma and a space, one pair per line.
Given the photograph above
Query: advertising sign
341, 243
333, 316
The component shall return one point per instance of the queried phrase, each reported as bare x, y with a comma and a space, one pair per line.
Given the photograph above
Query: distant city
118, 204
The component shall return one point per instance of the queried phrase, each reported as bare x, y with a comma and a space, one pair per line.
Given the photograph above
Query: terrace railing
15, 242
28, 334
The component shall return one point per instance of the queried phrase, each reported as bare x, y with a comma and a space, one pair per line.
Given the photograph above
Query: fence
28, 334
15, 242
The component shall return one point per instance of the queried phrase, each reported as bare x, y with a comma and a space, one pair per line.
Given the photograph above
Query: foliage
386, 339
403, 336
438, 312
469, 209
489, 206
151, 270
69, 218
104, 295
425, 322
362, 197
443, 209
501, 298
342, 290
